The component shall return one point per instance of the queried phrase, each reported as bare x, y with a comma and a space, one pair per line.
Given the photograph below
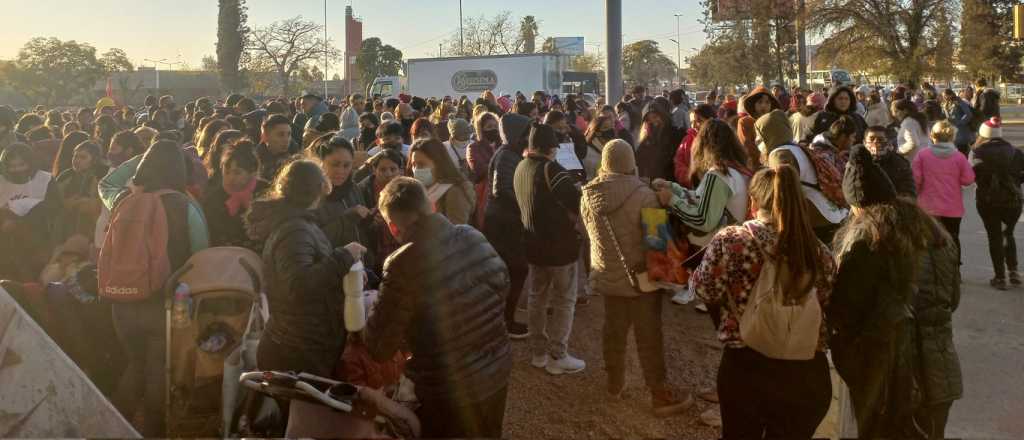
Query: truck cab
387, 86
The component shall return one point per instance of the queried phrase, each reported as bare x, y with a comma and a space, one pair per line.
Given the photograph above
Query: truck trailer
470, 76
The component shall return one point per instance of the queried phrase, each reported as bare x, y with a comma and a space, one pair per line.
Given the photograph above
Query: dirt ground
577, 407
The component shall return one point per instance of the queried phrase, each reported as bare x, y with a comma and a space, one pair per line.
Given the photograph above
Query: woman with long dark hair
913, 133
78, 186
657, 144
227, 200
721, 197
450, 193
877, 250
67, 150
343, 209
768, 395
141, 325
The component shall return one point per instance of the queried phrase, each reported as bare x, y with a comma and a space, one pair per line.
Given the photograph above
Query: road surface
989, 336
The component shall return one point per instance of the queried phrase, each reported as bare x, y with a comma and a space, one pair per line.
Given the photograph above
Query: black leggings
952, 225
999, 224
771, 398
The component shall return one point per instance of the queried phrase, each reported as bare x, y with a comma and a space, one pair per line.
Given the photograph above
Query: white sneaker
540, 361
565, 365
701, 307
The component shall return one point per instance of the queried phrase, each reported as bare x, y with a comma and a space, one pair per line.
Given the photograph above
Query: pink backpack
133, 263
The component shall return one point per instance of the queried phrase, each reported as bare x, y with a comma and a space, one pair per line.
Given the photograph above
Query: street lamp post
156, 69
679, 56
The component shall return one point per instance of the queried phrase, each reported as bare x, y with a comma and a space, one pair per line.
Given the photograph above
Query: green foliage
986, 49
644, 63
901, 34
232, 35
377, 59
50, 71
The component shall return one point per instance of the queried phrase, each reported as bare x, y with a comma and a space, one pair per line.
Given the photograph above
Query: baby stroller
224, 284
325, 408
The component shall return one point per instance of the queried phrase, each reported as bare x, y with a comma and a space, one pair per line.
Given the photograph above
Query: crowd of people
812, 222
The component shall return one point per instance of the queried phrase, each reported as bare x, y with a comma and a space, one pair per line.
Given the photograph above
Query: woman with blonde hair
940, 172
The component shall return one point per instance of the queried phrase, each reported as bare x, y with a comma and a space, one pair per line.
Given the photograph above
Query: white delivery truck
457, 76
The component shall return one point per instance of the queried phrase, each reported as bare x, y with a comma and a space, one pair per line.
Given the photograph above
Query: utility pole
679, 53
613, 53
326, 51
462, 42
801, 44
156, 69
439, 45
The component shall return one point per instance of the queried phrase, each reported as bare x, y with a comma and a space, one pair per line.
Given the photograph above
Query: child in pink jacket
940, 172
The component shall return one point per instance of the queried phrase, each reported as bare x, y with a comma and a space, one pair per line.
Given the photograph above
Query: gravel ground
577, 407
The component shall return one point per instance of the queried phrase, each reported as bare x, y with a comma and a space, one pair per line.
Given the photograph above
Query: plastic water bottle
355, 305
181, 309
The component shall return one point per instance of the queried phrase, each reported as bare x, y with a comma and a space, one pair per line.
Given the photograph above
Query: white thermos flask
355, 307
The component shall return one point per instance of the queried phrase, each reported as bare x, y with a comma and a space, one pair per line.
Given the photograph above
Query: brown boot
665, 404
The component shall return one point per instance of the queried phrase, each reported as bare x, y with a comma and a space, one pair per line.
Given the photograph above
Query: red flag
110, 89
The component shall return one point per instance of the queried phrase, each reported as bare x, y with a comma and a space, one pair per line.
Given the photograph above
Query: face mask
424, 175
492, 136
116, 159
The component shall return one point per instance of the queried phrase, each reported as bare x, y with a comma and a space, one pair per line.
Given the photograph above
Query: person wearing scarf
226, 202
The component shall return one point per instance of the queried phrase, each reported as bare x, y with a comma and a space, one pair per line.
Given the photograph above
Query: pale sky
186, 30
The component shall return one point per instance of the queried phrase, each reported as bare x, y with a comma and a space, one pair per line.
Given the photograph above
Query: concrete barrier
42, 392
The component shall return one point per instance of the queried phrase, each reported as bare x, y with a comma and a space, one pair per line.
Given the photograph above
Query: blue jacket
314, 115
960, 115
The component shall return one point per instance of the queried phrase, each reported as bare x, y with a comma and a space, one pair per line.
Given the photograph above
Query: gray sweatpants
551, 287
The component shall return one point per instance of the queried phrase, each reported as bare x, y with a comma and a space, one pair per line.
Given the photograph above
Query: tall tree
588, 62
117, 67
644, 63
724, 60
377, 59
497, 35
51, 71
762, 30
900, 33
986, 49
232, 34
288, 45
528, 30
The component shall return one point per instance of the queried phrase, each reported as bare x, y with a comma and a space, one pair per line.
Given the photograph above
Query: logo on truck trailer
474, 80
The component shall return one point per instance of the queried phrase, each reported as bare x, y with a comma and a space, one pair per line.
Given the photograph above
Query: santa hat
992, 128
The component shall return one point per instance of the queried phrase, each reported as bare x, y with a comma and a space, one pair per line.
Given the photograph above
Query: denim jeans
551, 287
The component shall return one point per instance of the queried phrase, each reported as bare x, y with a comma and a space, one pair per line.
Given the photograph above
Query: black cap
865, 183
542, 137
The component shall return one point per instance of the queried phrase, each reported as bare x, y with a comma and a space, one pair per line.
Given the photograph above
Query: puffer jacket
996, 157
443, 297
872, 327
960, 115
303, 276
937, 297
619, 198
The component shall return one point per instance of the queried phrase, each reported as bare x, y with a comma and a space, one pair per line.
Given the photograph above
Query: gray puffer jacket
937, 297
619, 197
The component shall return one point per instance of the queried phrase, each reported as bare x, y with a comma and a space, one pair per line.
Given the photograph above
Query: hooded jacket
655, 152
939, 174
745, 127
443, 297
618, 198
350, 123
996, 157
302, 275
960, 115
503, 225
831, 114
774, 131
